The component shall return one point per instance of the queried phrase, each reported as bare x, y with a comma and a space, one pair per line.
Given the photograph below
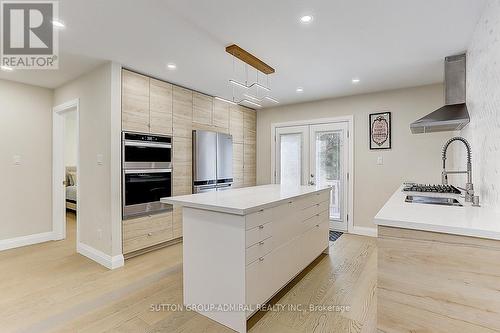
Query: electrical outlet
380, 160
99, 233
16, 159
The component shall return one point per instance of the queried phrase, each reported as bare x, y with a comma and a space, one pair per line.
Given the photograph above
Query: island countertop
243, 201
483, 222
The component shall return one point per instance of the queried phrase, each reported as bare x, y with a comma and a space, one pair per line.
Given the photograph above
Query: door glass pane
291, 159
329, 167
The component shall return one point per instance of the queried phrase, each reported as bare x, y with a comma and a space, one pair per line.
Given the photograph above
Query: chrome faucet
469, 187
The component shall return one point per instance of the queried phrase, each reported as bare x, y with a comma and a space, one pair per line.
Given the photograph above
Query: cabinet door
135, 102
236, 123
249, 165
249, 126
202, 108
221, 114
182, 177
160, 107
237, 165
182, 112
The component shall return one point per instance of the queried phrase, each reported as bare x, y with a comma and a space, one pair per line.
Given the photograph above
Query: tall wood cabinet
160, 107
135, 102
157, 107
249, 147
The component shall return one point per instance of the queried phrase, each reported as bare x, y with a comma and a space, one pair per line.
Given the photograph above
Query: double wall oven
147, 173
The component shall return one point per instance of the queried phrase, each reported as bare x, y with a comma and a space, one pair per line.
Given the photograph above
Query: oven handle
135, 171
148, 144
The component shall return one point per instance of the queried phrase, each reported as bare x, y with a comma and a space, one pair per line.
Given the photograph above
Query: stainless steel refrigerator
212, 161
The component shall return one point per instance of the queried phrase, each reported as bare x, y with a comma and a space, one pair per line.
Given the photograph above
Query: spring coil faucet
469, 187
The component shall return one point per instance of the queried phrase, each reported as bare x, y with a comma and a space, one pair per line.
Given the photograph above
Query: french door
316, 154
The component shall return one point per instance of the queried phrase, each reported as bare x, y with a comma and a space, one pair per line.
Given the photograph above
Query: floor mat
334, 235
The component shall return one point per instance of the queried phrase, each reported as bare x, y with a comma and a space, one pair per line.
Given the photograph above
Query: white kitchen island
242, 246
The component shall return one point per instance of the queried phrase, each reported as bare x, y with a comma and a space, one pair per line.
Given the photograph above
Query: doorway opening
317, 152
66, 171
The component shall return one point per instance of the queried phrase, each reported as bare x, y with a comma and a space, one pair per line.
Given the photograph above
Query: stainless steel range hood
454, 115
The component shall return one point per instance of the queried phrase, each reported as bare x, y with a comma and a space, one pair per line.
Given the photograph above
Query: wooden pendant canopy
249, 58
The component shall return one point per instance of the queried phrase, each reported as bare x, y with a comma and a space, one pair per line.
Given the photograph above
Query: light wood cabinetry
203, 107
160, 107
236, 123
249, 165
182, 177
146, 231
250, 141
238, 165
221, 114
135, 102
182, 112
433, 282
157, 107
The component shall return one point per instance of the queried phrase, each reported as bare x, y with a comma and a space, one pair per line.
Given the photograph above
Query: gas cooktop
431, 188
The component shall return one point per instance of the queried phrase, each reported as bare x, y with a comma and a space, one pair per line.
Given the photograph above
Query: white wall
97, 197
483, 102
70, 138
26, 189
412, 157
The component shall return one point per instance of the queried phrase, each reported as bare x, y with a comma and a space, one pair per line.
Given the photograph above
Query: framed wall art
380, 130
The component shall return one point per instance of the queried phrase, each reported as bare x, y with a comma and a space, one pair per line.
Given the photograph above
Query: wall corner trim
12, 243
364, 231
110, 262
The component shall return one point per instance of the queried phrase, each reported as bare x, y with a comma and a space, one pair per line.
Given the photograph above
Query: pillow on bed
69, 180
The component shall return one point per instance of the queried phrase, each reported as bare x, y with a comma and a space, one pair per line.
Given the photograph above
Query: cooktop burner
431, 188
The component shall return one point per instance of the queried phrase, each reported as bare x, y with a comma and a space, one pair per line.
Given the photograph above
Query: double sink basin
422, 199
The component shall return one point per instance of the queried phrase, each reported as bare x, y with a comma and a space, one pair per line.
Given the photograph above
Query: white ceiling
385, 43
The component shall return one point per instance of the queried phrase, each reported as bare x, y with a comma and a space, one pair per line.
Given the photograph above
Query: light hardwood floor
50, 288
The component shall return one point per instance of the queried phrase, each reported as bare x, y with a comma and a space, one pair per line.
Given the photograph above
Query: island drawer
258, 233
317, 208
258, 218
313, 221
313, 199
259, 250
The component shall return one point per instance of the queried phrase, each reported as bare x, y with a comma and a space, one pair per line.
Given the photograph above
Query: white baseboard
11, 243
102, 258
364, 231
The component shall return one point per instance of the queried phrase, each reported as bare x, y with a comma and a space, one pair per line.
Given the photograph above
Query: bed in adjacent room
71, 187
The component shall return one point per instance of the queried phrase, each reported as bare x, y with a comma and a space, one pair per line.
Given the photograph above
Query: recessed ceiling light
306, 19
299, 90
355, 81
6, 68
58, 24
171, 66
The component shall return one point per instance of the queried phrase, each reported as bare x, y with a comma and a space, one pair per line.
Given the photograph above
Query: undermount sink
432, 200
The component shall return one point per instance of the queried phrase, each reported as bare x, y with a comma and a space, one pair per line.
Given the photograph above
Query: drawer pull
317, 225
317, 205
261, 243
317, 214
261, 259
290, 202
150, 234
261, 226
261, 210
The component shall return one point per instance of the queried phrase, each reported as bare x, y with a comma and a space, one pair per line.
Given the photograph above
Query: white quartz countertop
483, 222
243, 201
